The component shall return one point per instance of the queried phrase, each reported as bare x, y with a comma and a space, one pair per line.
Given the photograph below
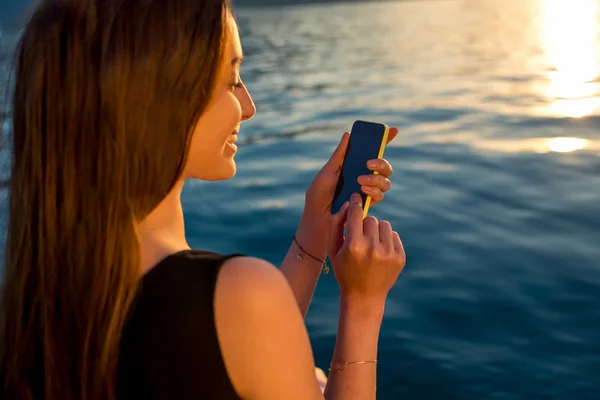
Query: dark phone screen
365, 141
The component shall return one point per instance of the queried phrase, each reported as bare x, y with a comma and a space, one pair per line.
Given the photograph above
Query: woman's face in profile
212, 149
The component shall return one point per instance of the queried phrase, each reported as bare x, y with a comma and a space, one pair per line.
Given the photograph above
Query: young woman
116, 104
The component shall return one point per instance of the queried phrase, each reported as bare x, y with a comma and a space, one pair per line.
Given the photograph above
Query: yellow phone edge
379, 156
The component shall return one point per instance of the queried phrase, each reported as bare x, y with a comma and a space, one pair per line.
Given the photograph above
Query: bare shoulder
253, 277
257, 318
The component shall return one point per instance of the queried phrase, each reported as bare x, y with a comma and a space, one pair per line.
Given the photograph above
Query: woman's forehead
235, 44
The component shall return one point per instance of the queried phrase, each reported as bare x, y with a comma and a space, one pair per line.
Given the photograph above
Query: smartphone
367, 142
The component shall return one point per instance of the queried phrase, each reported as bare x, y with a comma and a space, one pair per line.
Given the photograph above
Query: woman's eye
236, 85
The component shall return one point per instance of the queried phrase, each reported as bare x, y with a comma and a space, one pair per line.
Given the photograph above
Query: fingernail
372, 164
356, 198
346, 204
366, 178
366, 188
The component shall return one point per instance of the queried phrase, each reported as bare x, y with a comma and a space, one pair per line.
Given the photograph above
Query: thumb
337, 158
336, 230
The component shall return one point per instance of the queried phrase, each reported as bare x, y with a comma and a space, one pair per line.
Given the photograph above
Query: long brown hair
106, 96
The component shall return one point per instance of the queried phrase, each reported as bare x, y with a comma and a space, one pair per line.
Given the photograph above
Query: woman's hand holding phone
322, 188
368, 259
313, 229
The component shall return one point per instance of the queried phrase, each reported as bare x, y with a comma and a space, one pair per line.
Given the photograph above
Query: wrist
316, 216
313, 233
369, 310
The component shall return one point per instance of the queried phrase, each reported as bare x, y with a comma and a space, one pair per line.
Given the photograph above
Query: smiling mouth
232, 140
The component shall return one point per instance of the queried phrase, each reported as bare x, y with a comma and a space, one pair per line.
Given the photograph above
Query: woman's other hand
368, 259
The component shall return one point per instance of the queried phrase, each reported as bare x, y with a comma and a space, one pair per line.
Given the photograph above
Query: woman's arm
265, 345
302, 275
357, 339
261, 333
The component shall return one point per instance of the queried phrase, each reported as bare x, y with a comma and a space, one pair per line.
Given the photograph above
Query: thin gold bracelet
346, 363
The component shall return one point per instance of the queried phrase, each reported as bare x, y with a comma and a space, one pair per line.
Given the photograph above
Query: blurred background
496, 189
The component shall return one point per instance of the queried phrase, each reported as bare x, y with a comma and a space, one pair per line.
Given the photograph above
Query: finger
337, 158
375, 193
354, 222
336, 230
371, 229
381, 166
386, 236
392, 134
378, 181
398, 247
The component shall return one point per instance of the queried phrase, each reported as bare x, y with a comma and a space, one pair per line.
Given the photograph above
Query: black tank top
169, 348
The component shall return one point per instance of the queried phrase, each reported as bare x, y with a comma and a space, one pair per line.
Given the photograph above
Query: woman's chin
230, 174
223, 173
229, 170
217, 170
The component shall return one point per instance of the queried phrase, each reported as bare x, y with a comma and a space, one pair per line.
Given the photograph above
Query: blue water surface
496, 189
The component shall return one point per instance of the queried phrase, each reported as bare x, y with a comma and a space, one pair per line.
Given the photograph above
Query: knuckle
356, 248
385, 224
356, 209
355, 205
387, 184
370, 220
385, 168
402, 260
378, 252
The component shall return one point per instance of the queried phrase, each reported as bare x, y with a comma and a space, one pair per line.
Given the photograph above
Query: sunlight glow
569, 33
539, 145
566, 144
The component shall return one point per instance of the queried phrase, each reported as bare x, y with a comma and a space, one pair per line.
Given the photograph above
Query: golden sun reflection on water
569, 33
566, 144
539, 145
